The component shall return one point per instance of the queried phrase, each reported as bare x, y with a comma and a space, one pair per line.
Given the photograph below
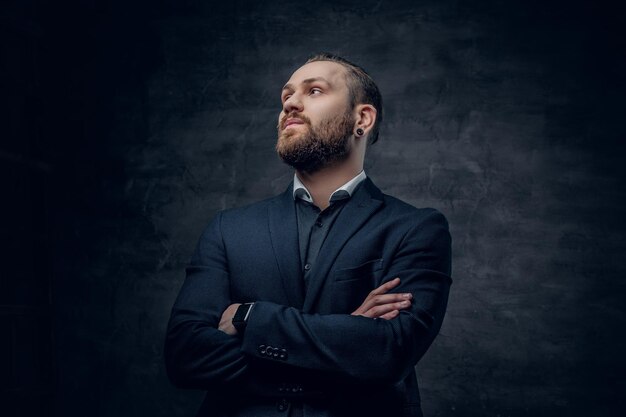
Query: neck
322, 183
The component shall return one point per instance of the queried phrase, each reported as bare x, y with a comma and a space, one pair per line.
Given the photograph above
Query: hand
226, 322
384, 306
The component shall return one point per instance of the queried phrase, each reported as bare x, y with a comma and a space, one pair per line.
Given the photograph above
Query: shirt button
307, 267
319, 223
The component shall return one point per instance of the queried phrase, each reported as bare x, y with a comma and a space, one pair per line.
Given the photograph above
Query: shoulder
411, 214
246, 216
423, 230
402, 212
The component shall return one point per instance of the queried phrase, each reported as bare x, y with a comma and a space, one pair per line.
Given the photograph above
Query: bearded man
321, 300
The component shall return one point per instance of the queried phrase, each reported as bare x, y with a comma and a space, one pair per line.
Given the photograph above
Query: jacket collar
283, 227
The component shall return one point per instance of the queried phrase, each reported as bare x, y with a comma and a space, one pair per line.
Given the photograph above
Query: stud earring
359, 132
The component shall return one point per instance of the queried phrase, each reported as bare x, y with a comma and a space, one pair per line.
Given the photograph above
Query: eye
315, 91
285, 97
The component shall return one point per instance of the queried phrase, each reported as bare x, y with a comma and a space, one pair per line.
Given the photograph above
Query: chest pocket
365, 271
350, 286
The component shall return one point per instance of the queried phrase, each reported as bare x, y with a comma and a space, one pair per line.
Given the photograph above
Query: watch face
240, 315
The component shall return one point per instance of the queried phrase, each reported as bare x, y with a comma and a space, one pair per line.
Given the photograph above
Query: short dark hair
363, 90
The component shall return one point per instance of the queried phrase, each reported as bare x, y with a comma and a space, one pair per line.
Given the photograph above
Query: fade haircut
361, 87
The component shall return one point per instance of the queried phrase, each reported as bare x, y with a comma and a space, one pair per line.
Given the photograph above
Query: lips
292, 121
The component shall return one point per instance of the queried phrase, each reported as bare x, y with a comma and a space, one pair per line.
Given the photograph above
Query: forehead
331, 71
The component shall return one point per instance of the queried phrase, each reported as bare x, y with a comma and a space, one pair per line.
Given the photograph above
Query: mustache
292, 115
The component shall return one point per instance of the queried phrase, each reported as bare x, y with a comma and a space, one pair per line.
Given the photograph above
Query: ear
365, 117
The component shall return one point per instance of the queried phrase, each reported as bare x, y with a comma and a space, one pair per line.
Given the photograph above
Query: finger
391, 298
392, 314
386, 286
375, 292
384, 299
367, 304
386, 308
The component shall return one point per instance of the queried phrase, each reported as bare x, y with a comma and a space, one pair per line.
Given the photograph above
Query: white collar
345, 191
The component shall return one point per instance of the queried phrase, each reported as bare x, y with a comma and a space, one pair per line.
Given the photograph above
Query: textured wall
131, 124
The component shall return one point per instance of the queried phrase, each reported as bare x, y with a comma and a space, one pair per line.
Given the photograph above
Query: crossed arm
200, 350
376, 305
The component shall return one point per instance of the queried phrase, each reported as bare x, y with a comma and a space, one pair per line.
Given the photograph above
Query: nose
292, 104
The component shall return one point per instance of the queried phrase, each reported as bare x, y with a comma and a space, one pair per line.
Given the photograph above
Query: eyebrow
308, 81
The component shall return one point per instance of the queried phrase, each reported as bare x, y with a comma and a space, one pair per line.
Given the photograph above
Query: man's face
316, 121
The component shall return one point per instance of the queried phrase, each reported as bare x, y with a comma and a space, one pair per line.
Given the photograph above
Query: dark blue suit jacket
303, 345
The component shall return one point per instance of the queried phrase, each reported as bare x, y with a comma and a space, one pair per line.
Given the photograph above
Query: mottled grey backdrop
127, 125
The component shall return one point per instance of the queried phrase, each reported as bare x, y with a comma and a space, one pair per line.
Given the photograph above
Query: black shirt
313, 227
314, 224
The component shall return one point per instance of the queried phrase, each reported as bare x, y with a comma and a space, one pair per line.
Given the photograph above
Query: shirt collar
345, 191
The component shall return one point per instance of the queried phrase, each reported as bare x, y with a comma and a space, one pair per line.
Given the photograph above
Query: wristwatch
240, 318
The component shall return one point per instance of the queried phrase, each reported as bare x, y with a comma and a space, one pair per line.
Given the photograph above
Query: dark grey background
126, 125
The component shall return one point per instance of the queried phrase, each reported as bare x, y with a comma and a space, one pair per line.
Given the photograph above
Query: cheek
327, 110
318, 114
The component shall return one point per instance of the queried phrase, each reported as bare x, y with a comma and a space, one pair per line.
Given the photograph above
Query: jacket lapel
362, 205
283, 228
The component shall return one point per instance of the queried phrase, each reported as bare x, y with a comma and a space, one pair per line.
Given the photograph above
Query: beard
316, 147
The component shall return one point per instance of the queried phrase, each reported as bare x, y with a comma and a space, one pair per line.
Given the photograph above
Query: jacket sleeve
197, 354
357, 347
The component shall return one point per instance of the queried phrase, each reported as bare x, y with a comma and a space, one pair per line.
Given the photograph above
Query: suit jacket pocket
363, 271
350, 286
